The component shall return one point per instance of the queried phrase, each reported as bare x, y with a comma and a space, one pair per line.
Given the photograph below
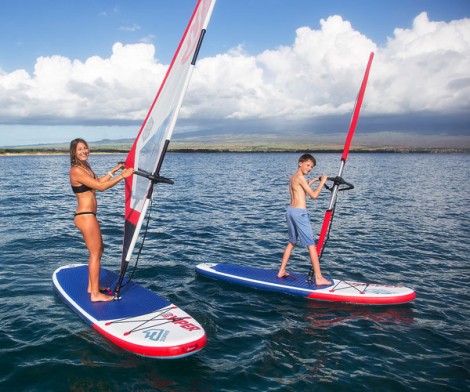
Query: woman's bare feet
100, 297
103, 289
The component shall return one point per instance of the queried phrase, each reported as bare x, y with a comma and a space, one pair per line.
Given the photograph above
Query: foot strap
310, 276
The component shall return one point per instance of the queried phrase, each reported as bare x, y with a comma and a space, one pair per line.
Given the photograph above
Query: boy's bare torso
297, 184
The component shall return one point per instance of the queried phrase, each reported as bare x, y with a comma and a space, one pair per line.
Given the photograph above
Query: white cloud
148, 39
61, 90
421, 69
132, 28
318, 75
425, 68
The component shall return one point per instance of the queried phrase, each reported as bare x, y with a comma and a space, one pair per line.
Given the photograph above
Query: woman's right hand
127, 172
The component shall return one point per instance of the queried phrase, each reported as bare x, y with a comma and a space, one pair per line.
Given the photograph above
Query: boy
298, 218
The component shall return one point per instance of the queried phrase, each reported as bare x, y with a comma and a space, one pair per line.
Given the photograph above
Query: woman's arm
79, 175
111, 173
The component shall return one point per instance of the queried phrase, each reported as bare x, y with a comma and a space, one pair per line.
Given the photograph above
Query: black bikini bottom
84, 213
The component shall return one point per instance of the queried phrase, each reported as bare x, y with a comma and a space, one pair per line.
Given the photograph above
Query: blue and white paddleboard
140, 322
296, 284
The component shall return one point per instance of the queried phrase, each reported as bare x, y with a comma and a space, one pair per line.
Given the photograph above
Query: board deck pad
296, 284
141, 322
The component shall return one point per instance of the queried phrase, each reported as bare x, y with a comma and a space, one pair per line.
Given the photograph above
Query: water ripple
230, 208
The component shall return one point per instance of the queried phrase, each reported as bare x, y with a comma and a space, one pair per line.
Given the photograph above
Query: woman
84, 184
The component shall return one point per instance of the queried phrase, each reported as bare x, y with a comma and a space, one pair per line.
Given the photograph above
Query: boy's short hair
307, 157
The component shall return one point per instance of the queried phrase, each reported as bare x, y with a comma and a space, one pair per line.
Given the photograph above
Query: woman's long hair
74, 161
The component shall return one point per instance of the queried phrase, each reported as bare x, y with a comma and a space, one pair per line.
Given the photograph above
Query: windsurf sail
150, 146
338, 182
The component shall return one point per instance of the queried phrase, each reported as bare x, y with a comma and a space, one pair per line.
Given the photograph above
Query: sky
269, 69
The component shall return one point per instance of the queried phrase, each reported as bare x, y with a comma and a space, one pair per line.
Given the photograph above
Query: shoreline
243, 149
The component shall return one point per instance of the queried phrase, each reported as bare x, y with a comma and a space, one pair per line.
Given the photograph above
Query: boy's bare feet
321, 281
283, 274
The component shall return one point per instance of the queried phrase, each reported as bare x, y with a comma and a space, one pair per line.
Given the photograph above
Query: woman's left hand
118, 167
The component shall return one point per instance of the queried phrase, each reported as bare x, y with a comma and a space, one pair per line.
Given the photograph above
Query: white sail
149, 148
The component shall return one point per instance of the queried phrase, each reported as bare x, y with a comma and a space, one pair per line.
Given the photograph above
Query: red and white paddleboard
296, 284
140, 322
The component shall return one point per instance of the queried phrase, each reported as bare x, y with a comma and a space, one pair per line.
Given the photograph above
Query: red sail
325, 229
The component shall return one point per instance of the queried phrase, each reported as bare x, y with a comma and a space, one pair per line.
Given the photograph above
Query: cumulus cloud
424, 69
112, 90
421, 70
318, 75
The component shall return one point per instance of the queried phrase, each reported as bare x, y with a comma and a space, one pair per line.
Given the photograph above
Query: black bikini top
81, 189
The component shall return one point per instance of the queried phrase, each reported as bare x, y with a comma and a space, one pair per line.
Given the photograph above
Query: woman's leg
90, 228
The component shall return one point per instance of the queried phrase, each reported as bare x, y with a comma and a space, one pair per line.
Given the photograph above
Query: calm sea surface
407, 222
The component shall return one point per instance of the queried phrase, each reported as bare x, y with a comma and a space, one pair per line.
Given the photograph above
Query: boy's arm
307, 186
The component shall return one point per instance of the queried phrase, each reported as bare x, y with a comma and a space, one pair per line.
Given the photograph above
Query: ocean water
407, 222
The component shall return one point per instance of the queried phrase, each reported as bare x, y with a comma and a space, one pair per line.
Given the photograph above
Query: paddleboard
140, 322
296, 284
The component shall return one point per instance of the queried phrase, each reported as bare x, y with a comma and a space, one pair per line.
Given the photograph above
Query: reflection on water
325, 315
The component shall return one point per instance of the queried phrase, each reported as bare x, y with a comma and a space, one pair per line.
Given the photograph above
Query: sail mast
150, 146
338, 181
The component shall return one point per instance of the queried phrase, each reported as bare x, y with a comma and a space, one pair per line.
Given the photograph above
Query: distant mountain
225, 144
118, 144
